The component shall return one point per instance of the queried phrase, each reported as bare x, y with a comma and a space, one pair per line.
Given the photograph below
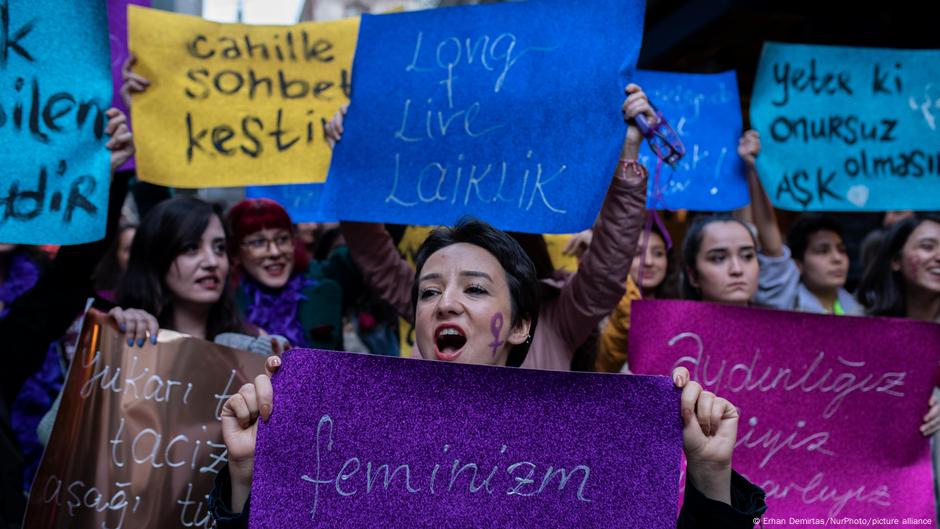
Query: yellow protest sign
234, 104
556, 245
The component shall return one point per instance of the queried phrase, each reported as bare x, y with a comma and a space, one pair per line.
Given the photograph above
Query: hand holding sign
132, 83
240, 428
710, 429
121, 142
636, 103
749, 149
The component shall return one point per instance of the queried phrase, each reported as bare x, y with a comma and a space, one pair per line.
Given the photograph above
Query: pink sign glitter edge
859, 460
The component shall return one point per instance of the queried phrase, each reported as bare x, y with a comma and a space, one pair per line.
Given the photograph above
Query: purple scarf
21, 275
275, 311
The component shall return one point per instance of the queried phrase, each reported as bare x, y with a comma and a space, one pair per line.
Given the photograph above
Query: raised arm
373, 250
600, 282
761, 209
383, 268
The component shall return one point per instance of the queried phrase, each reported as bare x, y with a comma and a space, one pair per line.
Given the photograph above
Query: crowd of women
246, 278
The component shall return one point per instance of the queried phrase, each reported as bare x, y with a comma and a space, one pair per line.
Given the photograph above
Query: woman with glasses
279, 288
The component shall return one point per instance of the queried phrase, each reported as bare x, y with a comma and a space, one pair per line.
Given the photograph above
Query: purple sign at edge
367, 441
117, 32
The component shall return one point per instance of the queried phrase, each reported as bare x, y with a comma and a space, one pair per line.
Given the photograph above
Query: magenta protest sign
830, 406
368, 441
117, 31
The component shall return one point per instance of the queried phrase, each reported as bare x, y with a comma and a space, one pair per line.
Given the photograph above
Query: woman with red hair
280, 289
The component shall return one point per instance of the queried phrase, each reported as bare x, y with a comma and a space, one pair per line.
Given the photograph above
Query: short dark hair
520, 272
881, 289
805, 226
165, 233
693, 243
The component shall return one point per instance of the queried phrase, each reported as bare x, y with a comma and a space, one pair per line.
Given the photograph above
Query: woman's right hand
579, 243
136, 325
133, 83
240, 429
749, 147
334, 129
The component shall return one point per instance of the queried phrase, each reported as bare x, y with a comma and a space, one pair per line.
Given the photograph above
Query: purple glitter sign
117, 29
367, 441
830, 405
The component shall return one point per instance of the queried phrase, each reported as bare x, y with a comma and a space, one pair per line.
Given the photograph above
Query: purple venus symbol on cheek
496, 326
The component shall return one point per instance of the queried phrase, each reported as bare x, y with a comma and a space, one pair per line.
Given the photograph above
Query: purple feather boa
275, 311
21, 275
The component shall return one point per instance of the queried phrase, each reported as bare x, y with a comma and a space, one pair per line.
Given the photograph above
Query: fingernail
122, 327
276, 361
153, 339
130, 342
140, 342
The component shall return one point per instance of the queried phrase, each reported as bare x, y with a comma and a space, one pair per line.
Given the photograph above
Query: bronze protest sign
137, 441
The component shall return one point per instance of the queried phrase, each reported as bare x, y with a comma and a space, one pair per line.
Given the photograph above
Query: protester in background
656, 276
872, 242
720, 263
280, 289
112, 266
37, 318
178, 278
809, 273
572, 305
20, 267
903, 281
463, 276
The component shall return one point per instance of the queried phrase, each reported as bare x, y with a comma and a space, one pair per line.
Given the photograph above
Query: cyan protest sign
302, 201
507, 112
705, 110
848, 129
56, 87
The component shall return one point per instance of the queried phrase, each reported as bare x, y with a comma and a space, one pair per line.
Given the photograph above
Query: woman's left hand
121, 142
931, 424
709, 434
636, 103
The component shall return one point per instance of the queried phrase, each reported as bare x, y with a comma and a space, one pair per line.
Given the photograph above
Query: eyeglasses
283, 242
662, 139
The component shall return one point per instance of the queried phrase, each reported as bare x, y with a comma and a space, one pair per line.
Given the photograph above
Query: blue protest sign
55, 80
507, 112
705, 110
848, 129
302, 201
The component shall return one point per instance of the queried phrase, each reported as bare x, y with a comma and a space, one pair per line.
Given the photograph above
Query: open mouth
208, 283
449, 341
275, 269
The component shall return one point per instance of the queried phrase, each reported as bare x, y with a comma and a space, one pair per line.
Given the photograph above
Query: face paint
914, 266
496, 326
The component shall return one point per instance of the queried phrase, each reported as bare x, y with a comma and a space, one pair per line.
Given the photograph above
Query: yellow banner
233, 104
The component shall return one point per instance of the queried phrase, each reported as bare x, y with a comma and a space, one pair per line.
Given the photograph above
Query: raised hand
708, 437
749, 147
240, 415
